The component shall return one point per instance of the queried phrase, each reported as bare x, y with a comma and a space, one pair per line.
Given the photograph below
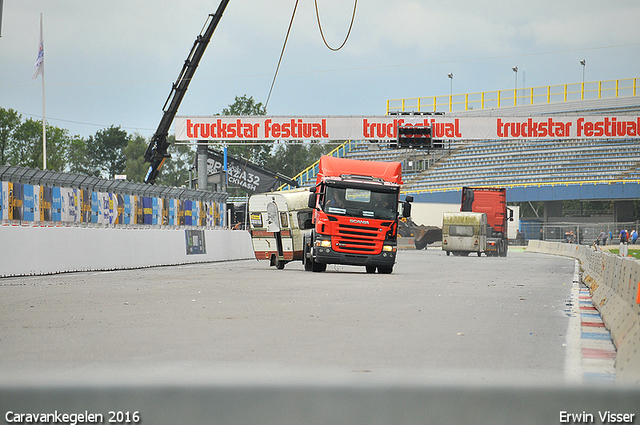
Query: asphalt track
454, 318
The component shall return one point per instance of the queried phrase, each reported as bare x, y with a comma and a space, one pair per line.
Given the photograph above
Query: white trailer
279, 221
464, 232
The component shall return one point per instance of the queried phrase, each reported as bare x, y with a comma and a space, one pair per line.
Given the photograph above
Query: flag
40, 59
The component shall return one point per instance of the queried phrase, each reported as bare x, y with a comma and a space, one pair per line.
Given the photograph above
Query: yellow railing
525, 185
516, 97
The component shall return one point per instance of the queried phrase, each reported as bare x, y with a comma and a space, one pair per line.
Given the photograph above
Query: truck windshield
360, 203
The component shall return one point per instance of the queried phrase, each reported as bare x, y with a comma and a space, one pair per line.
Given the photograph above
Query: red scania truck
355, 215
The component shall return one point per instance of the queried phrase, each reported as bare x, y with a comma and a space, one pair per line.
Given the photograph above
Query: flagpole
44, 122
40, 71
44, 130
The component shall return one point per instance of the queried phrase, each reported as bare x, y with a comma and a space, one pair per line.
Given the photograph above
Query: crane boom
156, 153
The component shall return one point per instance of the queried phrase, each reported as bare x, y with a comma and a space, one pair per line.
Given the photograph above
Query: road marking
590, 355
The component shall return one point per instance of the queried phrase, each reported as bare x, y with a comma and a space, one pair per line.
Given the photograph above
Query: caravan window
456, 230
284, 221
256, 219
305, 216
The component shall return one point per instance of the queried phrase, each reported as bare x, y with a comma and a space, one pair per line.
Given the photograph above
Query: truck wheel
318, 267
307, 260
370, 269
385, 270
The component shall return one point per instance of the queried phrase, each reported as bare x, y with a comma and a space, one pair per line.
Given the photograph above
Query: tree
175, 171
78, 159
106, 151
292, 158
258, 154
9, 122
57, 147
135, 168
27, 145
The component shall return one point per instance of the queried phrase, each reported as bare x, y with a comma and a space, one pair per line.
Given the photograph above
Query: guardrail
614, 283
517, 97
525, 185
35, 197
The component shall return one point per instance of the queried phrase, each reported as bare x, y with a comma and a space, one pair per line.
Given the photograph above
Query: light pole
583, 62
450, 75
515, 92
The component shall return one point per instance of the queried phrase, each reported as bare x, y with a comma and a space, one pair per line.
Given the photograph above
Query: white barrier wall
47, 250
614, 283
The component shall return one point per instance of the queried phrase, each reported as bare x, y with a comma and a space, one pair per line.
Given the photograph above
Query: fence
575, 232
517, 97
48, 198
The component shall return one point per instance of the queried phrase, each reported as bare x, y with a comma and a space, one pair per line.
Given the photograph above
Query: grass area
633, 252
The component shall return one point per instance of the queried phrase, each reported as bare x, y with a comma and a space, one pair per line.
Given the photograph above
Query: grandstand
521, 162
500, 163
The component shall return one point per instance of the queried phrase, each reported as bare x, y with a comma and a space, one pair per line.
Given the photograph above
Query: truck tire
385, 270
318, 267
370, 269
307, 260
314, 266
503, 251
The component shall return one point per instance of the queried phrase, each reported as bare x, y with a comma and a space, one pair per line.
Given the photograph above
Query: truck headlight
389, 248
325, 243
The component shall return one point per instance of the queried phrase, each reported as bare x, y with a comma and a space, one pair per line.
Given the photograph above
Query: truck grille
357, 239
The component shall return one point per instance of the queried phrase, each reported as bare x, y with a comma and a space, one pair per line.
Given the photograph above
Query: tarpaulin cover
334, 167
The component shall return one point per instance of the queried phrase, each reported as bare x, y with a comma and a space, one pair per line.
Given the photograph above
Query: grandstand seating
513, 162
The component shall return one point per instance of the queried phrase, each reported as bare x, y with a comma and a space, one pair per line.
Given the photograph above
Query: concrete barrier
614, 283
49, 250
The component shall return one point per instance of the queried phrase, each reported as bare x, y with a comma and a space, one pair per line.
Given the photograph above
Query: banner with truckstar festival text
239, 128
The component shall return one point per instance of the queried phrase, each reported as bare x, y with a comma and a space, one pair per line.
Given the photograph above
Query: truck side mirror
510, 214
406, 206
406, 209
312, 200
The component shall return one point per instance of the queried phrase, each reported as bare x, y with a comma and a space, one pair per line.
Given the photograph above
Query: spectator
602, 238
634, 236
624, 237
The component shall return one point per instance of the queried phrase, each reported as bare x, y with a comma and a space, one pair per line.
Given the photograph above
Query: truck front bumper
329, 256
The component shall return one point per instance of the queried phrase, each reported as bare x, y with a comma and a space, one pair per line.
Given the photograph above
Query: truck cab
355, 215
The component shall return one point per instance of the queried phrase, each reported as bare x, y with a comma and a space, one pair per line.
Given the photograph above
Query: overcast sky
113, 62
